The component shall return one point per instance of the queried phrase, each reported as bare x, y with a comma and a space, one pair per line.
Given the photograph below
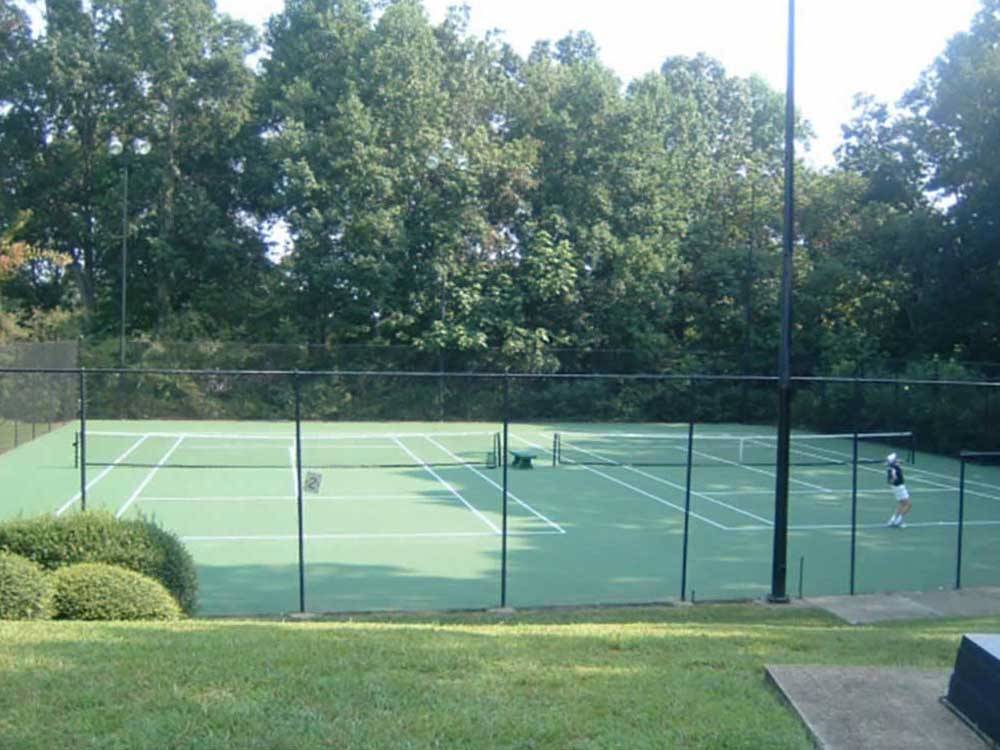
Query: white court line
289, 498
766, 473
922, 478
295, 473
632, 487
847, 526
510, 494
362, 536
69, 503
450, 489
682, 488
845, 492
738, 465
149, 478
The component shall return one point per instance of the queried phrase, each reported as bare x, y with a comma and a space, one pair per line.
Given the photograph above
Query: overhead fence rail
331, 490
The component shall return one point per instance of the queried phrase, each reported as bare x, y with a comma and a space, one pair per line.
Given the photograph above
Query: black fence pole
961, 521
298, 490
83, 439
854, 506
687, 510
503, 551
779, 563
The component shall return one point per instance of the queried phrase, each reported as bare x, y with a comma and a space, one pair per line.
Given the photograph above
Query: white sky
842, 46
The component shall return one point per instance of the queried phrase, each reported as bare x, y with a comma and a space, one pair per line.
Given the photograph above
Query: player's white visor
891, 458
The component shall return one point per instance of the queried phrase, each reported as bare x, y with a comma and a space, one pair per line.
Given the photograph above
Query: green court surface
411, 515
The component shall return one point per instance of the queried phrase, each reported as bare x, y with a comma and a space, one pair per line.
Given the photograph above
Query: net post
503, 543
297, 387
83, 439
961, 520
854, 507
687, 507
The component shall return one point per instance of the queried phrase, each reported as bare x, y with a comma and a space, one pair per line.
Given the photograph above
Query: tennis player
894, 476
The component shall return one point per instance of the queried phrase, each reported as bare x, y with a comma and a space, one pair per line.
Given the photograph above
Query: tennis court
411, 515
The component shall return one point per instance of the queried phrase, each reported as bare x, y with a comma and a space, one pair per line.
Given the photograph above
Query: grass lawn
674, 677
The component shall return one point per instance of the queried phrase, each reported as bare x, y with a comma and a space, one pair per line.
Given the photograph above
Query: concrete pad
874, 708
869, 608
977, 602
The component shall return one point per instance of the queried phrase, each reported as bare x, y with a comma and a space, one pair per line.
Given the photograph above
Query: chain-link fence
33, 403
337, 490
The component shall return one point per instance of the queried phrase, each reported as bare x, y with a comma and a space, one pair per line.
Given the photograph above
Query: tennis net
236, 451
657, 449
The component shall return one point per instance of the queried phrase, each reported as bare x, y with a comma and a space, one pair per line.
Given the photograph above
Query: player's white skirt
900, 492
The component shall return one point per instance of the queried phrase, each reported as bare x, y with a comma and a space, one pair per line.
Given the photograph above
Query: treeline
360, 176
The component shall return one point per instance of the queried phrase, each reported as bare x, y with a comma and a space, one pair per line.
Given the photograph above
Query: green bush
99, 537
96, 591
25, 589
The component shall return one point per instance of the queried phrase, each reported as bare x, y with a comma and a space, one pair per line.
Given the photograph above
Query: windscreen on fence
37, 423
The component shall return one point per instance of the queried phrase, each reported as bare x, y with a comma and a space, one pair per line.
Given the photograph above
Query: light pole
138, 146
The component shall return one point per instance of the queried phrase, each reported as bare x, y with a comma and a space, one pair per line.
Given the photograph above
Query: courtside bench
523, 458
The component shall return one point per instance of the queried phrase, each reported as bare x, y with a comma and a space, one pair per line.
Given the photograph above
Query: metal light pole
116, 148
779, 566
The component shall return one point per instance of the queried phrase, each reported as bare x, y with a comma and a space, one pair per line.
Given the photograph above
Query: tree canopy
434, 189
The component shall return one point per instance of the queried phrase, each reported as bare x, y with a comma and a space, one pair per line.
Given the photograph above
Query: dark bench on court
522, 459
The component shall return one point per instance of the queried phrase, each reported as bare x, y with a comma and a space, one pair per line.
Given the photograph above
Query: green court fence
644, 488
34, 402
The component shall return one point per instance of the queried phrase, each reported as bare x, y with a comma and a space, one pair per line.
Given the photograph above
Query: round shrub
95, 591
96, 536
25, 589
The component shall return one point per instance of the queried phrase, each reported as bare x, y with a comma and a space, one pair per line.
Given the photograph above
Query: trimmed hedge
25, 589
96, 591
99, 537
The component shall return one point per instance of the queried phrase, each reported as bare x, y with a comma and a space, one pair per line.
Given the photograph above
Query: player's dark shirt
894, 475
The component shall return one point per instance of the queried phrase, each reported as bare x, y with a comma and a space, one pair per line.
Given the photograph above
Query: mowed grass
676, 677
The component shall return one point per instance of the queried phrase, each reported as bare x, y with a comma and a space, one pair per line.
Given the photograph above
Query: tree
174, 74
954, 118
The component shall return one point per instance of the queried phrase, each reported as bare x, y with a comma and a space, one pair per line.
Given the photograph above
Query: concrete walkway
875, 708
867, 708
870, 608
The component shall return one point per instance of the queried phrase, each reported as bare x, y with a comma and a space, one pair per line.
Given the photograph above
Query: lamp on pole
138, 146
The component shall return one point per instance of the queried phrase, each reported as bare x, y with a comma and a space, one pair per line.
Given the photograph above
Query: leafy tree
172, 73
955, 119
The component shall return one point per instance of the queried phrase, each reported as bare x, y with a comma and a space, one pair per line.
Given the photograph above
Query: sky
843, 47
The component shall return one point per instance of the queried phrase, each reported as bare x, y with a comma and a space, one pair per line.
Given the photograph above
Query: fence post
83, 440
503, 554
961, 520
854, 505
687, 509
298, 489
